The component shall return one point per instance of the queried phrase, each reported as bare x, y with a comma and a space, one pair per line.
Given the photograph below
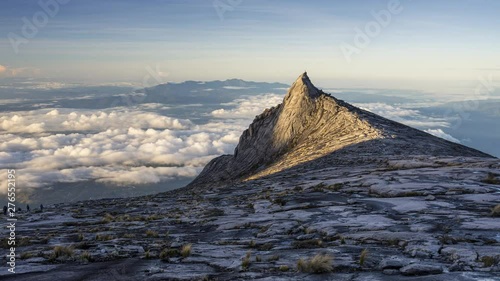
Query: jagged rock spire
302, 90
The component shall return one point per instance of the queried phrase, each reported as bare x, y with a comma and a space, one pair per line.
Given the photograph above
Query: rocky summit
317, 189
311, 124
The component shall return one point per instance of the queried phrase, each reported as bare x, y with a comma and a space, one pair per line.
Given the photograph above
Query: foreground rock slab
374, 220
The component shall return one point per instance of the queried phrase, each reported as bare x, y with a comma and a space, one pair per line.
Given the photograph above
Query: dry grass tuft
245, 262
320, 263
108, 218
186, 250
362, 257
61, 251
496, 211
86, 256
284, 268
104, 237
491, 179
151, 233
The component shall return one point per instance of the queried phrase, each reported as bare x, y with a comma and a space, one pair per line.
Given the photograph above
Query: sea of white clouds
120, 146
412, 118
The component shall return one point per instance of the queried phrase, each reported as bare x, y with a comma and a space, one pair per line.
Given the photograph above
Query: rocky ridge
311, 124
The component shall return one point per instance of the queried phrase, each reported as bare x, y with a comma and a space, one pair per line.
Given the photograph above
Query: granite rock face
379, 209
312, 177
310, 124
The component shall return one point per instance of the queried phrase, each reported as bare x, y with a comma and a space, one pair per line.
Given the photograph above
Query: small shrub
86, 256
319, 187
491, 179
264, 228
268, 195
284, 268
186, 250
447, 239
258, 258
80, 237
307, 244
151, 233
103, 237
173, 252
409, 194
309, 230
153, 217
215, 212
320, 263
362, 257
93, 230
44, 240
83, 245
108, 218
252, 244
442, 228
23, 241
265, 247
302, 266
337, 186
489, 261
393, 242
342, 240
496, 211
61, 251
26, 255
164, 255
273, 258
245, 262
279, 201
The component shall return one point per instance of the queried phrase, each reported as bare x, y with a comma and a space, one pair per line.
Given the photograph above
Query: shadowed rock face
311, 124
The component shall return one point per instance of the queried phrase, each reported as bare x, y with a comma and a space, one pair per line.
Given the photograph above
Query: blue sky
113, 41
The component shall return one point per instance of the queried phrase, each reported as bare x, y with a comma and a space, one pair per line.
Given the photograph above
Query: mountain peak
302, 89
314, 128
304, 77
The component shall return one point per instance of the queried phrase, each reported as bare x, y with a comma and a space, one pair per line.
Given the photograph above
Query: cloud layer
439, 133
410, 117
58, 120
18, 72
118, 146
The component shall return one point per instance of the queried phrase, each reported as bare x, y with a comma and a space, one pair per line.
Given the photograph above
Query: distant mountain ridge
311, 124
206, 92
